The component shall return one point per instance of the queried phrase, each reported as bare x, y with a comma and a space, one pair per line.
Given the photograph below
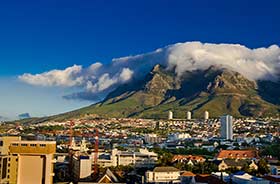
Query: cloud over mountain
99, 79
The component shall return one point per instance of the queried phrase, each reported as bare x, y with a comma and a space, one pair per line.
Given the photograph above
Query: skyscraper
226, 127
170, 115
189, 115
206, 115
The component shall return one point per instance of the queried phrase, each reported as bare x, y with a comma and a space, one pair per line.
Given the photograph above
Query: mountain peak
157, 68
232, 82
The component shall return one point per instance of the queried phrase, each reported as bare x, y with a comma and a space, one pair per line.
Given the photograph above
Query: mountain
2, 118
24, 116
217, 90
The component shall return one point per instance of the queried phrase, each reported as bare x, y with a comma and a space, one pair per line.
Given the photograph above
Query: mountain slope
216, 90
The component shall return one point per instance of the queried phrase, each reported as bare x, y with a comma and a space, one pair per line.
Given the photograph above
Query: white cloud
69, 77
125, 75
255, 64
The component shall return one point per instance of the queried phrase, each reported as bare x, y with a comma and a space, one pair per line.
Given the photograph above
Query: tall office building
206, 115
189, 115
170, 115
226, 127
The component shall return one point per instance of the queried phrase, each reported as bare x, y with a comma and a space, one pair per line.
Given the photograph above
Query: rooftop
165, 169
237, 154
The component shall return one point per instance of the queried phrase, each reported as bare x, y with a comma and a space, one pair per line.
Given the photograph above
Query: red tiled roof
188, 173
241, 154
187, 157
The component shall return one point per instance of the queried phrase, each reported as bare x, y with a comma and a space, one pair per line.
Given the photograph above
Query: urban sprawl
126, 150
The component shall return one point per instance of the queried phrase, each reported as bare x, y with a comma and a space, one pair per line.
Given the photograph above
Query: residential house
190, 159
237, 154
230, 163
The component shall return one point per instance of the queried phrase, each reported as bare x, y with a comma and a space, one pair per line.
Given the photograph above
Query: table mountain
217, 90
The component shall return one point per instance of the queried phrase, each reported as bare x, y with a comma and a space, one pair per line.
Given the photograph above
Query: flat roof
34, 142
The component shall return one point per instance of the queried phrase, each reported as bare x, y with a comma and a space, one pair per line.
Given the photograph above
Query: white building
179, 136
163, 175
170, 115
143, 158
206, 115
248, 179
82, 166
226, 127
189, 115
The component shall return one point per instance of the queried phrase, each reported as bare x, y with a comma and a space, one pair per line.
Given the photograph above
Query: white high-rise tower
170, 115
226, 127
189, 115
206, 115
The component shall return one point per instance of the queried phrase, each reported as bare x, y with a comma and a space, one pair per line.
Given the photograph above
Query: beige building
5, 144
8, 163
8, 169
163, 175
230, 163
35, 161
152, 138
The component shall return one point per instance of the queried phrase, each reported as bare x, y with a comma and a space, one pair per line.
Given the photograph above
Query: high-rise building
206, 115
35, 161
189, 115
170, 115
226, 127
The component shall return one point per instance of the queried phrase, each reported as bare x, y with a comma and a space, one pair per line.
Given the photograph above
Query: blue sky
39, 36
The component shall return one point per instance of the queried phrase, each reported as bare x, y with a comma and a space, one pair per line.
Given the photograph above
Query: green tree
263, 167
165, 159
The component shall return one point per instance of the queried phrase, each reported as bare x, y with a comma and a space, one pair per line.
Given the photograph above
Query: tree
263, 167
165, 159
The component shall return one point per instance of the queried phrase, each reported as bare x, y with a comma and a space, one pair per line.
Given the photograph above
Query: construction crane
72, 124
96, 143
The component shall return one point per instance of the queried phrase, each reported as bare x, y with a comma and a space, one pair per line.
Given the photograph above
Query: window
1, 143
33, 145
23, 144
42, 145
4, 168
15, 144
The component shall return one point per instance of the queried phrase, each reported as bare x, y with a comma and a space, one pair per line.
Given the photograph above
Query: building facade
163, 175
35, 161
226, 127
